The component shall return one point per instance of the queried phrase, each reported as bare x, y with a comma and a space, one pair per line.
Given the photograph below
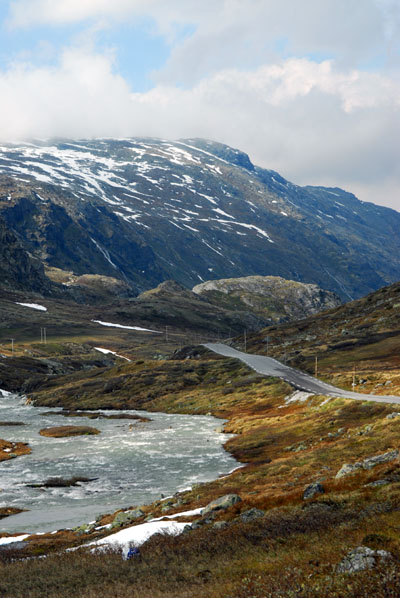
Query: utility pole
316, 366
12, 344
354, 376
43, 336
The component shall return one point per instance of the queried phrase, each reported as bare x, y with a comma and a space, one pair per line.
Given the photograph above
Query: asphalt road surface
268, 366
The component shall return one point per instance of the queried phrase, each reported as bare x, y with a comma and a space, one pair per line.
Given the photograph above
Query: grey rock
126, 517
379, 459
220, 525
347, 469
378, 483
251, 514
369, 463
221, 503
86, 528
301, 447
393, 415
362, 558
313, 490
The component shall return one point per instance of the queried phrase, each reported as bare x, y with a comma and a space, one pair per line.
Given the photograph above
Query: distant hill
271, 297
148, 210
365, 330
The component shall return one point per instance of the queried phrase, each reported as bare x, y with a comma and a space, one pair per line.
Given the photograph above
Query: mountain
17, 268
148, 210
272, 297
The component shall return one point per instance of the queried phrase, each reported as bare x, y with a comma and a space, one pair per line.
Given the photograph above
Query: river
133, 464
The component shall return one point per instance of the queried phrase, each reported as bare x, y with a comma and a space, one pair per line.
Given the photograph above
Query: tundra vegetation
297, 521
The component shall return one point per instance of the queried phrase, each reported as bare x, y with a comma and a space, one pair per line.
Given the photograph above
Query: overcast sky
310, 88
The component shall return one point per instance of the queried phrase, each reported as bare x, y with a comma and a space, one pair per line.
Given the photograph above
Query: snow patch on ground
107, 352
33, 306
298, 395
111, 325
12, 539
138, 534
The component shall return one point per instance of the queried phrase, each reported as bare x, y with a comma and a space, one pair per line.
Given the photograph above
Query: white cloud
314, 123
29, 13
79, 97
314, 120
231, 33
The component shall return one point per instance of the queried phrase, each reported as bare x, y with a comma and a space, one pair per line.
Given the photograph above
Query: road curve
268, 366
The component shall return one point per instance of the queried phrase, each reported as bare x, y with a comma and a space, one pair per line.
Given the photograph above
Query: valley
287, 441
145, 283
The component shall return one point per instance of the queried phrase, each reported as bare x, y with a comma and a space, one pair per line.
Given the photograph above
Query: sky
309, 88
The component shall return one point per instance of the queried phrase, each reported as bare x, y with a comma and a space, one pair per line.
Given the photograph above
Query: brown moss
10, 450
65, 431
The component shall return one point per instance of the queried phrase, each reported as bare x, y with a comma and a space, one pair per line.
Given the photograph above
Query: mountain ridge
149, 210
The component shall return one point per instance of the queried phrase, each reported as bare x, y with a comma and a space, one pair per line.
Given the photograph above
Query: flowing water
133, 464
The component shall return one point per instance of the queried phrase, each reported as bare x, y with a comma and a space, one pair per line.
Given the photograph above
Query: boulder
379, 459
220, 525
221, 503
369, 463
126, 517
393, 415
251, 514
347, 469
313, 490
362, 558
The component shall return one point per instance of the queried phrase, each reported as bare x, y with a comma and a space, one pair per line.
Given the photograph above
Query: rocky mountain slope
148, 210
272, 297
17, 268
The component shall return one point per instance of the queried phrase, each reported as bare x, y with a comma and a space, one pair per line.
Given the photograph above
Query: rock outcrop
369, 463
362, 558
272, 297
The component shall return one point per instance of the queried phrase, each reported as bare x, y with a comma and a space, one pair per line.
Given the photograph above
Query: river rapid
133, 464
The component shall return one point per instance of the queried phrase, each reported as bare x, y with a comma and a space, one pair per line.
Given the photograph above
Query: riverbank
288, 443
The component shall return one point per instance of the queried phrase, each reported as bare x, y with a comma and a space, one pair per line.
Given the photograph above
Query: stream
133, 464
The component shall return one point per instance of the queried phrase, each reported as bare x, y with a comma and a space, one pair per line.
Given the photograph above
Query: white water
134, 464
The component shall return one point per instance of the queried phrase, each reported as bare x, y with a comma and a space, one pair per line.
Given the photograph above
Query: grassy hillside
293, 545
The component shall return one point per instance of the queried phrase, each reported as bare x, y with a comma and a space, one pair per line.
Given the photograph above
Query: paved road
271, 367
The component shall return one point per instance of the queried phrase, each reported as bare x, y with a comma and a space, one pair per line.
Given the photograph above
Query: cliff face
18, 270
272, 297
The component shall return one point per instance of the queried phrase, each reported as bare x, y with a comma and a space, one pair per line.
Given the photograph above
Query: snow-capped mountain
148, 210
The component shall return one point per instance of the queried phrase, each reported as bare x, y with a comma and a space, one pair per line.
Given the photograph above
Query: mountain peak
149, 210
225, 152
